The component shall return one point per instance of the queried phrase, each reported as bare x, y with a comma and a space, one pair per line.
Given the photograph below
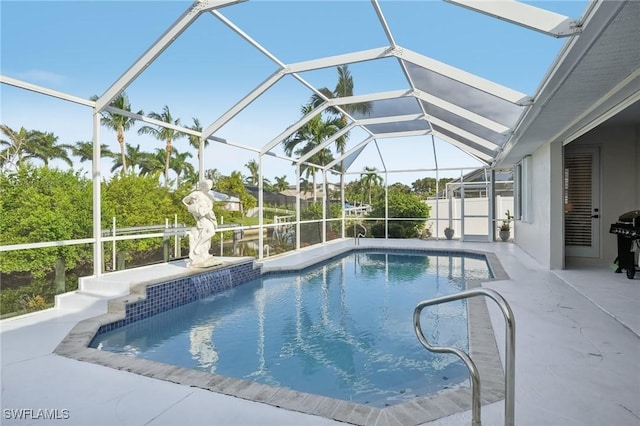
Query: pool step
77, 301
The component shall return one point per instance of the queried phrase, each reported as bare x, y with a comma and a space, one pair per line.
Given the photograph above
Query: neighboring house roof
276, 198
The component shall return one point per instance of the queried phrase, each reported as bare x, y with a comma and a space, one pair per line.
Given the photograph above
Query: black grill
628, 231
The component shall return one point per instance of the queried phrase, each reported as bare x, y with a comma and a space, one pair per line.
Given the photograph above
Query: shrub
401, 205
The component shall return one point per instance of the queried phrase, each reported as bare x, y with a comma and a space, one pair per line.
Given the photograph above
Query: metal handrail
510, 350
359, 234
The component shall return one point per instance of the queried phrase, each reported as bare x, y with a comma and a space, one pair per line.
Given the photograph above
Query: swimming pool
164, 287
342, 329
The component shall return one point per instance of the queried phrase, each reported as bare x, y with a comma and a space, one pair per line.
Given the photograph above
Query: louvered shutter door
578, 195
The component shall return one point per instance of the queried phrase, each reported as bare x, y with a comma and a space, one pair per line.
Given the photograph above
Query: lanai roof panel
467, 125
474, 113
398, 126
465, 96
390, 107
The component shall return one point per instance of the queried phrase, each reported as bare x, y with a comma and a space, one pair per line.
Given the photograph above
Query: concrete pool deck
577, 356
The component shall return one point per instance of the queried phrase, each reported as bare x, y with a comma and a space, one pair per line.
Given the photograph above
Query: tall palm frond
16, 146
344, 88
214, 175
194, 141
180, 165
281, 183
305, 185
252, 166
133, 157
308, 137
164, 133
370, 179
84, 151
152, 163
119, 123
46, 148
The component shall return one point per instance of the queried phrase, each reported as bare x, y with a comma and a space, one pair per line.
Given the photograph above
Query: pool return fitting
510, 348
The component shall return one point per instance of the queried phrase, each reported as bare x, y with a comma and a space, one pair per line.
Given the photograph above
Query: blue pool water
343, 329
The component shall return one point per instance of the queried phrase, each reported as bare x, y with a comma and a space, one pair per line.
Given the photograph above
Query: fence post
113, 243
176, 241
119, 265
166, 242
60, 275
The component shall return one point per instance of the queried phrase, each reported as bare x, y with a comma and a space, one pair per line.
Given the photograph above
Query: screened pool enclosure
424, 91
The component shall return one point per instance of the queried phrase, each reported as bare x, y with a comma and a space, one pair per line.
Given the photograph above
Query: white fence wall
451, 208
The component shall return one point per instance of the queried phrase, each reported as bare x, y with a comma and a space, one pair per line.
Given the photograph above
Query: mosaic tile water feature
173, 293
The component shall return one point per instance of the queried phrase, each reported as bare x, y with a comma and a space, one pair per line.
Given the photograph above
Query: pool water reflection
342, 329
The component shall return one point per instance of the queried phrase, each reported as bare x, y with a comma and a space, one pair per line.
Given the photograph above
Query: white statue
200, 204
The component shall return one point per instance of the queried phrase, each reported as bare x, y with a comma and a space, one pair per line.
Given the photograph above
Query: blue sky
82, 47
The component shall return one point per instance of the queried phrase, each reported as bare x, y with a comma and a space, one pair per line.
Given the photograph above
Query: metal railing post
113, 243
510, 350
176, 238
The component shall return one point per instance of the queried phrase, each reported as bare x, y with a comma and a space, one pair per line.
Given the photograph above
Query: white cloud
46, 78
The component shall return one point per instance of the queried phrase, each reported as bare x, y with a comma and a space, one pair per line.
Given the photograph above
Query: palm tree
153, 163
252, 179
305, 185
321, 158
17, 147
133, 157
370, 179
46, 148
117, 164
165, 134
190, 178
281, 183
309, 136
266, 183
194, 141
180, 165
119, 123
214, 175
84, 150
343, 89
31, 144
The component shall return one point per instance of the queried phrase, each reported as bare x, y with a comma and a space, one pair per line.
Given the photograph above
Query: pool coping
482, 345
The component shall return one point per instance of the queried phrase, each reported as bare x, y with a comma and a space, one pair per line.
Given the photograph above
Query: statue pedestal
205, 263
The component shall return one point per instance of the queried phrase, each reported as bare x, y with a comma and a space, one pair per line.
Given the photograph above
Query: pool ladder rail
510, 341
359, 235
